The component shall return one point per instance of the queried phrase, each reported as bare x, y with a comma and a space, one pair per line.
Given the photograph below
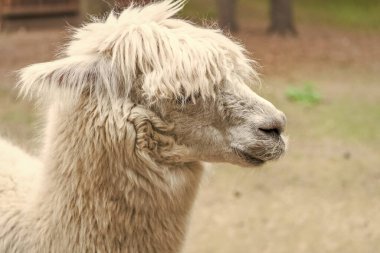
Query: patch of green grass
349, 116
340, 119
362, 14
355, 120
17, 119
15, 111
358, 14
305, 95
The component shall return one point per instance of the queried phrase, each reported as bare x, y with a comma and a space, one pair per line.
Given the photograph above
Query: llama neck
99, 192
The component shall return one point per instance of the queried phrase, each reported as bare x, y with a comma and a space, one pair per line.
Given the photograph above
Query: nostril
271, 131
273, 125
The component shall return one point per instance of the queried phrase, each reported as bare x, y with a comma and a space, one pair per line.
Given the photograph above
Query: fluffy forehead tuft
146, 46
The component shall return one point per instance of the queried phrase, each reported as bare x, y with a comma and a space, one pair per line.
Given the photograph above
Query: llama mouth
249, 158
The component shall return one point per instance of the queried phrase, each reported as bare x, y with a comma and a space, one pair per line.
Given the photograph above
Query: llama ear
153, 136
74, 74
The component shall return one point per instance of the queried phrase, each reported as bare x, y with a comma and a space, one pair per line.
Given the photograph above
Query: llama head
174, 72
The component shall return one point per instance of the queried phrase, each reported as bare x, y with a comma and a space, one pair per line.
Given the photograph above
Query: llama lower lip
249, 158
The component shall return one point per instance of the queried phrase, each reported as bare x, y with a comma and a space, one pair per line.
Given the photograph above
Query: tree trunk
227, 19
281, 13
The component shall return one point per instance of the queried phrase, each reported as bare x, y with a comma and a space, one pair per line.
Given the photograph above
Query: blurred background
320, 64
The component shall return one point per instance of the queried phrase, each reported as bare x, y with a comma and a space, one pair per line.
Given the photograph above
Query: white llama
133, 106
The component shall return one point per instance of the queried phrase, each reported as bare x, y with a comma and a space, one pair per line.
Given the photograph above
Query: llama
134, 105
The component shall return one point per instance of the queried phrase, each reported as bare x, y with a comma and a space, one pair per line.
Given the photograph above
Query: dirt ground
323, 196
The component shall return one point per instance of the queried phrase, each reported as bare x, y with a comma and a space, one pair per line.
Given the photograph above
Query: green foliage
363, 14
305, 95
357, 14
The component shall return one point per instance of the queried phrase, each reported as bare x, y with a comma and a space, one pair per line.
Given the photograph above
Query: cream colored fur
132, 107
16, 166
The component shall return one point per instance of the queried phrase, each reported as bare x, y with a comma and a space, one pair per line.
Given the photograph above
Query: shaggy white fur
16, 166
134, 105
175, 57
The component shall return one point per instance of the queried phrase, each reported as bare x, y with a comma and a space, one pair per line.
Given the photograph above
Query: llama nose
274, 126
